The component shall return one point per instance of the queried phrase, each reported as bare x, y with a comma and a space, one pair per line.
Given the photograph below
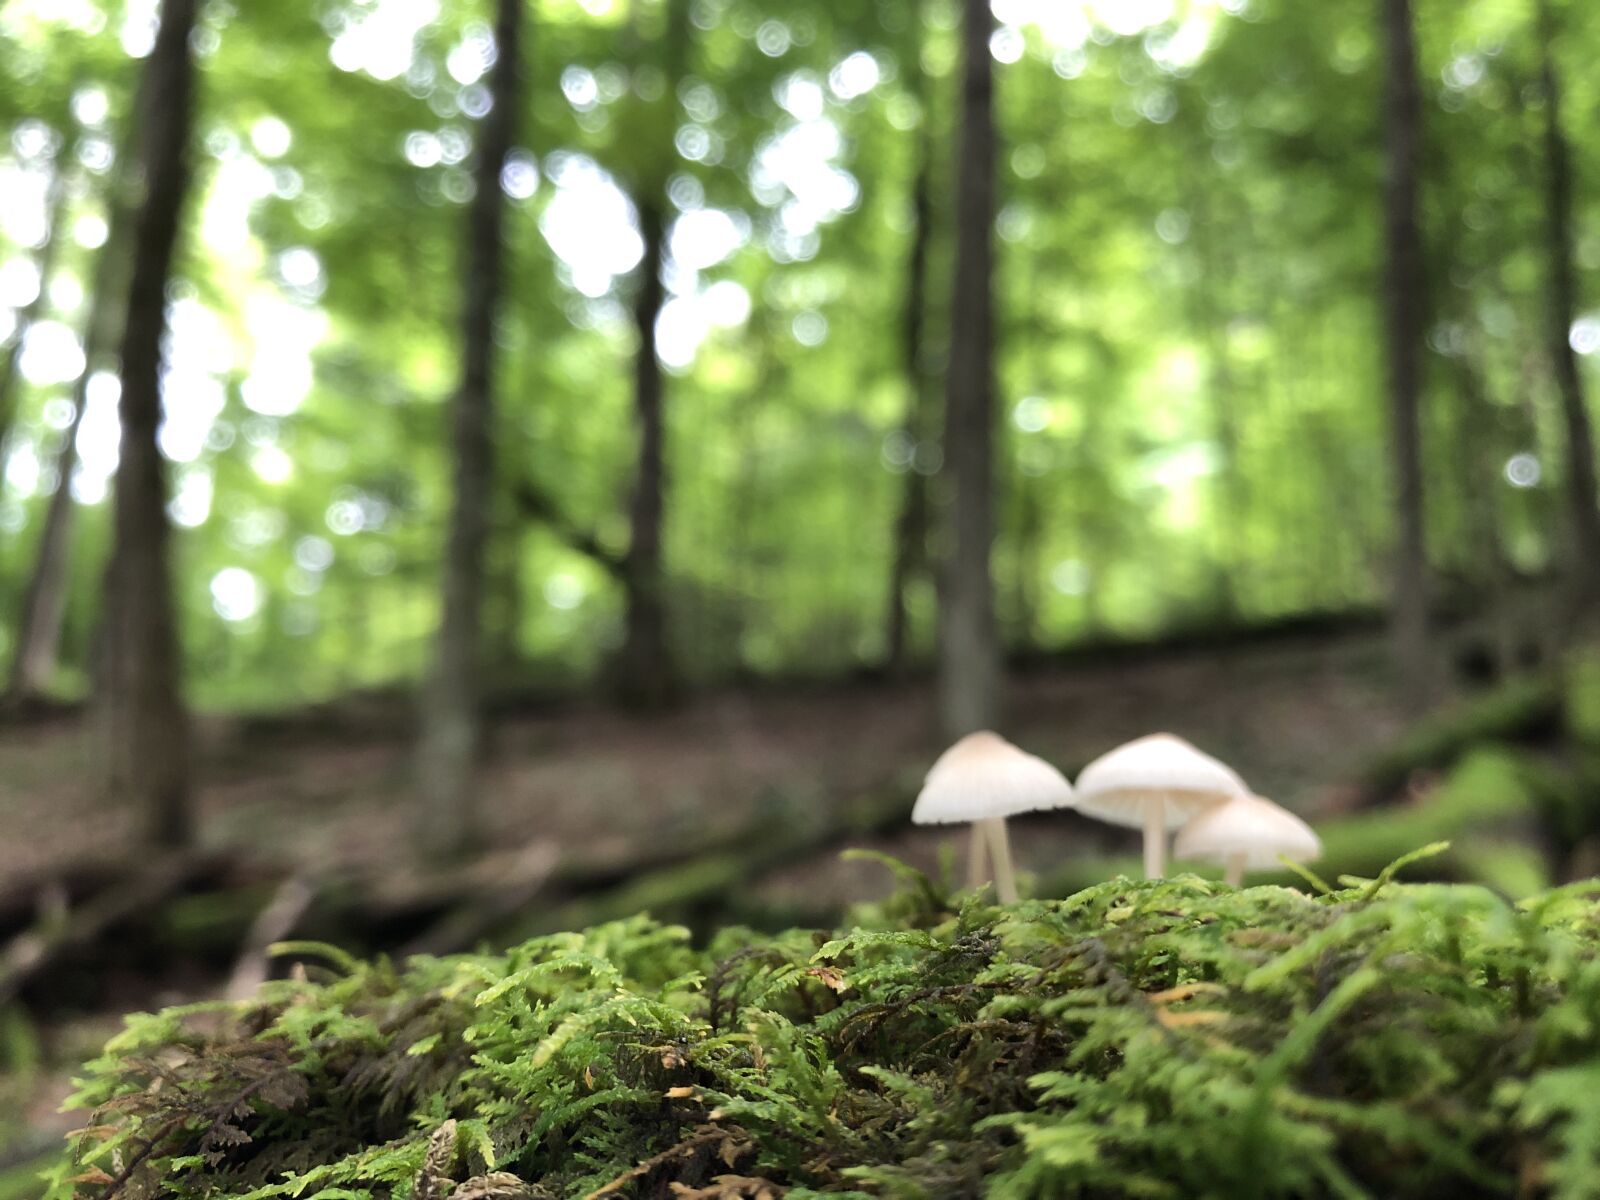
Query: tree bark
911, 522
969, 660
1583, 498
10, 364
1405, 313
1479, 454
1210, 314
150, 726
645, 673
44, 602
452, 719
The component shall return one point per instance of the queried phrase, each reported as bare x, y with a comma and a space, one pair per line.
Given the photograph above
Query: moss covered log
1175, 1038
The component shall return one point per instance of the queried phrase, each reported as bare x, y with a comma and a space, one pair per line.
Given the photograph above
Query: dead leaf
497, 1185
441, 1149
731, 1187
730, 1144
829, 977
680, 1093
1185, 992
437, 1164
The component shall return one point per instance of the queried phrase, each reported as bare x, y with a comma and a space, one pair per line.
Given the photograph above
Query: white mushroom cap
983, 776
1117, 786
1251, 828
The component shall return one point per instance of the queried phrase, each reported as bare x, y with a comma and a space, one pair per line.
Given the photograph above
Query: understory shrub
1176, 1038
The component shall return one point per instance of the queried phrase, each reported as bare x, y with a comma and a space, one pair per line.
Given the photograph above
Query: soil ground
331, 792
1294, 719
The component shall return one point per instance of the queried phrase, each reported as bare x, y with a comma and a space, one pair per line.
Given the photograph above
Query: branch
274, 923
538, 505
30, 954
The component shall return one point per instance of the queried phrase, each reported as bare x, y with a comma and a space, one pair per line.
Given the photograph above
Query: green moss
1516, 710
1582, 695
1167, 1039
1486, 788
1511, 867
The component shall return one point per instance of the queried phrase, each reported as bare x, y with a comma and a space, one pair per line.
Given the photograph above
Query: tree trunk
1210, 314
969, 659
1027, 562
507, 588
150, 726
451, 720
45, 600
1561, 299
1480, 455
1405, 313
645, 674
911, 523
10, 364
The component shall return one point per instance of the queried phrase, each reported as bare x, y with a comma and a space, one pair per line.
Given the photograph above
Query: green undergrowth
1170, 1039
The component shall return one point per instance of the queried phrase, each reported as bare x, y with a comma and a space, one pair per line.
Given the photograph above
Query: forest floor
328, 791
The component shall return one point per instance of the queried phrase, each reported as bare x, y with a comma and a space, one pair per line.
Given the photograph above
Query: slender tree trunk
1229, 485
1405, 313
150, 726
452, 718
645, 674
1583, 498
1479, 452
969, 661
11, 356
1209, 313
508, 613
1027, 567
911, 523
45, 600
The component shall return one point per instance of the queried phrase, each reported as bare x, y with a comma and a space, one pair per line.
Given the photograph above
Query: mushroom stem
1235, 870
1155, 838
977, 858
1005, 879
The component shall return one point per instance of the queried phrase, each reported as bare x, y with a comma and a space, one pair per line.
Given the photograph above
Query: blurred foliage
1173, 1038
1188, 238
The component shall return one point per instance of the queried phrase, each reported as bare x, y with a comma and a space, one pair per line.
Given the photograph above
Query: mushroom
1155, 783
984, 779
1247, 833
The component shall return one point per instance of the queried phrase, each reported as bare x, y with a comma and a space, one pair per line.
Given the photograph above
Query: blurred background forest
475, 466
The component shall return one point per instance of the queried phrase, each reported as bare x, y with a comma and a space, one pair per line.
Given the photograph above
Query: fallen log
468, 923
31, 954
1525, 710
669, 891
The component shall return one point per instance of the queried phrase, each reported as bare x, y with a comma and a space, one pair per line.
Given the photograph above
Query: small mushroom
1247, 833
1155, 783
984, 779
